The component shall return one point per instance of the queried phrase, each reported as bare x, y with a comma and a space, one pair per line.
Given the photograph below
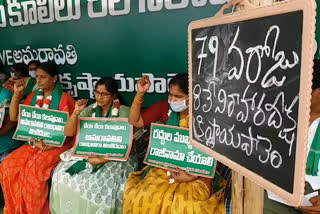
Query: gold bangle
137, 101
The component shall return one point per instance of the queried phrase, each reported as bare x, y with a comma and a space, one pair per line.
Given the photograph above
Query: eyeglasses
103, 94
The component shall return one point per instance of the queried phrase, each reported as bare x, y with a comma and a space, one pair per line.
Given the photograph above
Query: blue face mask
178, 106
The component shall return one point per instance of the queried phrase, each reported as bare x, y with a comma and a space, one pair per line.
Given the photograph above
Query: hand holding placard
38, 143
180, 176
93, 160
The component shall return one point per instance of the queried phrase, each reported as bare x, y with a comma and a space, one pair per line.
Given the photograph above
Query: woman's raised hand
19, 87
143, 84
80, 105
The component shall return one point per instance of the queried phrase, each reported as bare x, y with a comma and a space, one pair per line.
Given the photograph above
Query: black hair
182, 81
110, 84
21, 68
49, 67
316, 74
36, 62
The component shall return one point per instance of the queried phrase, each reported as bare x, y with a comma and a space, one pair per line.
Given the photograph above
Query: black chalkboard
245, 93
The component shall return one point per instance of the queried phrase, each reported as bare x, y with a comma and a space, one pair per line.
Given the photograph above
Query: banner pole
253, 197
237, 193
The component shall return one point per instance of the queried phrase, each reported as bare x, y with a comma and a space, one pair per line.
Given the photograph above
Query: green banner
170, 148
123, 39
39, 123
2, 115
104, 137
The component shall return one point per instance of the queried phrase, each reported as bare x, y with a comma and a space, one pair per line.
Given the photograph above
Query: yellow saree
154, 195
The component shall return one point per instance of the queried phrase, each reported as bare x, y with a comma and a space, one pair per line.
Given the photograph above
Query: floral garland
40, 103
115, 108
43, 103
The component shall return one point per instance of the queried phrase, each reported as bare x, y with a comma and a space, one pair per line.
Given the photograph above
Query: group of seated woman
37, 178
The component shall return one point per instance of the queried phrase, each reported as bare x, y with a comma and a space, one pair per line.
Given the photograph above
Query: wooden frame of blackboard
308, 37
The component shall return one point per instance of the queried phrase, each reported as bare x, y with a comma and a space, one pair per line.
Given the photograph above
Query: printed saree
154, 195
24, 174
100, 192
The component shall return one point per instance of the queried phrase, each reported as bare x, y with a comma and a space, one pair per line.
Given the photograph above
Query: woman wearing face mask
7, 144
32, 66
24, 173
149, 190
20, 71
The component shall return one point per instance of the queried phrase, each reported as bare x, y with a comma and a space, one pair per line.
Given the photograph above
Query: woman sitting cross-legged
149, 190
78, 188
24, 174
